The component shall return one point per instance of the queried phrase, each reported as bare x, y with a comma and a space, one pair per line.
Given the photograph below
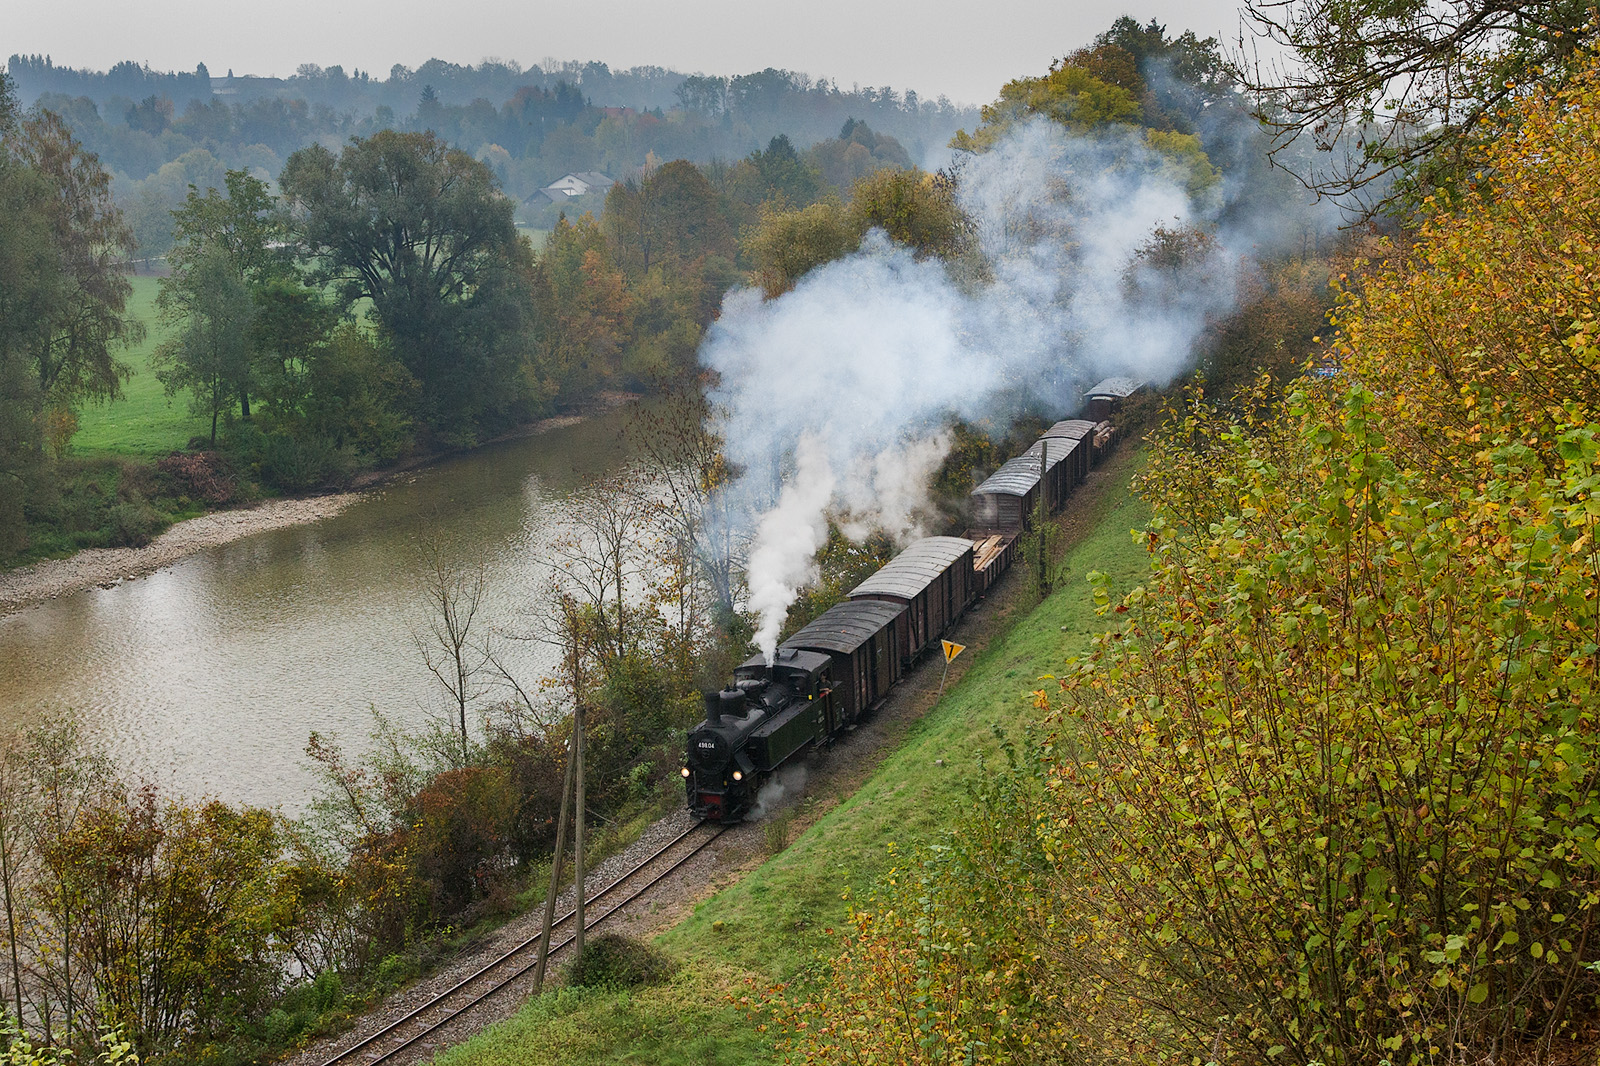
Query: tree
785, 245
671, 215
211, 308
1490, 314
1068, 95
855, 153
84, 323
452, 644
239, 233
915, 209
1405, 89
28, 269
422, 231
584, 310
777, 174
241, 219
686, 459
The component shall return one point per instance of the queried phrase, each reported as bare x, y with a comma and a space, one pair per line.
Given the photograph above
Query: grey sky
965, 49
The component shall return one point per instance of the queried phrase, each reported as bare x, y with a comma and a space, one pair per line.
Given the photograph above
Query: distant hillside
158, 132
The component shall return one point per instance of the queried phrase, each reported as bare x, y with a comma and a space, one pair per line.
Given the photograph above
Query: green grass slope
144, 422
774, 923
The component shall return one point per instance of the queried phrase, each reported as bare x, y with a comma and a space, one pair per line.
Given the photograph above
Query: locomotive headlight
685, 771
738, 775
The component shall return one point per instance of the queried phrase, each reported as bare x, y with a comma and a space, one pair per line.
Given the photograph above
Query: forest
159, 133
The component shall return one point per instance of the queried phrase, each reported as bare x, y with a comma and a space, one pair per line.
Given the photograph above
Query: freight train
829, 675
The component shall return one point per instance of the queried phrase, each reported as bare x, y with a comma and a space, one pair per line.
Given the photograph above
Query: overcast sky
964, 49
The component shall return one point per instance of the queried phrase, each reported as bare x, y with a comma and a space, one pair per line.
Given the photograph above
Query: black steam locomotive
828, 675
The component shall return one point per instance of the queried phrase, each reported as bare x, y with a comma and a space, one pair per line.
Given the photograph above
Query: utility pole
556, 863
577, 846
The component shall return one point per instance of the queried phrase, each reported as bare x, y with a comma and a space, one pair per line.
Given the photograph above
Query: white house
579, 184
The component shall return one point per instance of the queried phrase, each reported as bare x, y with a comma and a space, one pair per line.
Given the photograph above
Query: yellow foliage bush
1491, 317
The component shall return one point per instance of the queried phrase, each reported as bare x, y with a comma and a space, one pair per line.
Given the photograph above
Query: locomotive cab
752, 727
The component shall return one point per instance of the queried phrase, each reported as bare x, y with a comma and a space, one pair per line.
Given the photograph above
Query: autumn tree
584, 310
855, 153
669, 216
1489, 318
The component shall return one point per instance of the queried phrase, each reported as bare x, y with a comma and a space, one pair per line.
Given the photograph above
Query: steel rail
412, 1014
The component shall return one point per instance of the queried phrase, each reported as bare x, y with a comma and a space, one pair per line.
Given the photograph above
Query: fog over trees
158, 132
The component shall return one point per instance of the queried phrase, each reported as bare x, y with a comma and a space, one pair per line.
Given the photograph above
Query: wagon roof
1073, 429
1117, 387
845, 627
1018, 476
914, 569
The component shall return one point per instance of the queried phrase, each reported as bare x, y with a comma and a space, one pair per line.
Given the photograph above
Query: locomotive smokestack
713, 702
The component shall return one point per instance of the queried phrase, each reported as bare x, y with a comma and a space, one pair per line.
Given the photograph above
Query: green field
145, 422
776, 922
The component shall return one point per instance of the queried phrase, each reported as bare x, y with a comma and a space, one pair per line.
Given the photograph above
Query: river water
207, 677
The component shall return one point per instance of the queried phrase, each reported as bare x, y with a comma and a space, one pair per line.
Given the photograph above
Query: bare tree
1400, 89
685, 459
453, 640
600, 561
14, 797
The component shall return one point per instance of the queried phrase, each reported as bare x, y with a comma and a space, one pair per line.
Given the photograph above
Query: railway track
411, 1028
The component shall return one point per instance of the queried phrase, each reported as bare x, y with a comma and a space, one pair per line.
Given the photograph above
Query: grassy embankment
770, 926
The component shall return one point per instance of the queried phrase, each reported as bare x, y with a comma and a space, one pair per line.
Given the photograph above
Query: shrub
201, 475
612, 960
132, 524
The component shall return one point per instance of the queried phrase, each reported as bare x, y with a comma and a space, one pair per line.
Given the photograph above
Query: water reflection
207, 676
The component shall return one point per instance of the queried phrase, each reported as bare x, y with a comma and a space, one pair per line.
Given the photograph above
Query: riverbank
48, 579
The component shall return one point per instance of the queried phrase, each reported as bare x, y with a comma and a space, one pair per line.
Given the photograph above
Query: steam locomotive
829, 675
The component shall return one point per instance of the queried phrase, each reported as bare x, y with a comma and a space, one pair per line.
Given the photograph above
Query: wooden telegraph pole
556, 862
577, 844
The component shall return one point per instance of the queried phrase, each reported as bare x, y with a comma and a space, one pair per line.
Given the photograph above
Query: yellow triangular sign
952, 649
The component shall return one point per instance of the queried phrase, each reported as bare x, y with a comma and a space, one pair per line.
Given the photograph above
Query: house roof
846, 626
914, 569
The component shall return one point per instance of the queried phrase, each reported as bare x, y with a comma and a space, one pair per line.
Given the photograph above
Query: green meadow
145, 421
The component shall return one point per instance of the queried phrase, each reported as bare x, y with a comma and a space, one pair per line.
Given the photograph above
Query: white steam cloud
787, 540
847, 382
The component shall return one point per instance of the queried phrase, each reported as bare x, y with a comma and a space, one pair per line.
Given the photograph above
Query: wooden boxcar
1004, 502
935, 580
1060, 477
1107, 396
864, 638
1079, 433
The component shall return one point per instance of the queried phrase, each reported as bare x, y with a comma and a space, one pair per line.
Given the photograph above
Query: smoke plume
847, 383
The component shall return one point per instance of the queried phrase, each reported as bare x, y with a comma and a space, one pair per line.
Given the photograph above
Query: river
206, 677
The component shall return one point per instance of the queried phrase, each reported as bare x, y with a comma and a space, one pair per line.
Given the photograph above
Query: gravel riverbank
49, 578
